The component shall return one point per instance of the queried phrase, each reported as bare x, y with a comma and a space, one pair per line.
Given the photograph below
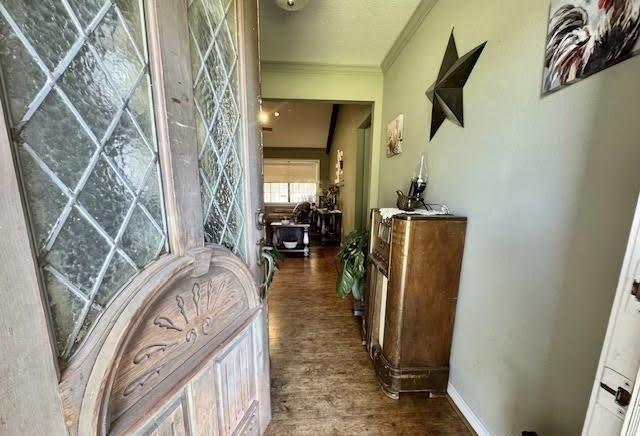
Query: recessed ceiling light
292, 5
276, 114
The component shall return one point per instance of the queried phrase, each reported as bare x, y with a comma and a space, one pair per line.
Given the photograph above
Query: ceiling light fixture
292, 5
276, 114
263, 117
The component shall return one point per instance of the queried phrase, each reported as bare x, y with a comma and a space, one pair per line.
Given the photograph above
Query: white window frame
316, 162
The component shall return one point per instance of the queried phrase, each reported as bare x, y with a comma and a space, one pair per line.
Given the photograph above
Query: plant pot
358, 301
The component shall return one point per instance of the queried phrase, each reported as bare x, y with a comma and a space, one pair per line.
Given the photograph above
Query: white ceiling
340, 32
300, 124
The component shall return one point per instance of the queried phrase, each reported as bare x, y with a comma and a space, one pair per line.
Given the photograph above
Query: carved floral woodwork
174, 329
164, 326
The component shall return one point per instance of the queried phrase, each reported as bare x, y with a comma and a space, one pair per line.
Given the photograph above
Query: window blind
290, 171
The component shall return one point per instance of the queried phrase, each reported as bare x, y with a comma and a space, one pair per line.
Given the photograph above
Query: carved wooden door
133, 130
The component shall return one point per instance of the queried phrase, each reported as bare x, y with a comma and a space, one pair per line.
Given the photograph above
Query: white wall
549, 186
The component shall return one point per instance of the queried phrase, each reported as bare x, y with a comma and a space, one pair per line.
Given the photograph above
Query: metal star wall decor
446, 92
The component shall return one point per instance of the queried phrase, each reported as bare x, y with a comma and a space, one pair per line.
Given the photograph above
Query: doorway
337, 137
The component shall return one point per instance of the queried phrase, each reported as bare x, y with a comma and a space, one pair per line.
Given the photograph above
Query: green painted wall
345, 138
302, 153
549, 185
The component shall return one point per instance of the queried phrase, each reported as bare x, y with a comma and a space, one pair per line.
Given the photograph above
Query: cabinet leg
392, 395
305, 239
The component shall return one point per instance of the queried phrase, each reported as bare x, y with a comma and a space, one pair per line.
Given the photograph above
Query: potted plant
271, 261
351, 280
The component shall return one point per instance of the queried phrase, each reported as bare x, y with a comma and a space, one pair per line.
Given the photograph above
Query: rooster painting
587, 36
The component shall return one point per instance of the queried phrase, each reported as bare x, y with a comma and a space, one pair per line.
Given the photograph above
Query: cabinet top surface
413, 217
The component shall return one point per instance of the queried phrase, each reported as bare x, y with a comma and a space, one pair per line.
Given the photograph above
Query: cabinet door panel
236, 378
169, 421
204, 405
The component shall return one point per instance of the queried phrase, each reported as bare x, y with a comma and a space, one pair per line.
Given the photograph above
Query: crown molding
320, 68
407, 32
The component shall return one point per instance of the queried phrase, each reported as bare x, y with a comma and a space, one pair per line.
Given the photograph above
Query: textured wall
345, 138
549, 186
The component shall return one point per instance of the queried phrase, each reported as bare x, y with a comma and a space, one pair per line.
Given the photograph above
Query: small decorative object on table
290, 245
418, 184
331, 197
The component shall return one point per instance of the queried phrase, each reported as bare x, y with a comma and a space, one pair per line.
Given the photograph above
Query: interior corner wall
335, 84
549, 185
345, 138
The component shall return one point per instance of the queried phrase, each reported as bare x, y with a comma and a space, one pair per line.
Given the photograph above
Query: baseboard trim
466, 411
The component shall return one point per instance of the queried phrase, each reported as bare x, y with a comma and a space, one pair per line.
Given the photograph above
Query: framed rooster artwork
588, 36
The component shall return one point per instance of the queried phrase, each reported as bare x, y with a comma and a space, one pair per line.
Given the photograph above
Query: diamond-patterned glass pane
65, 307
151, 196
79, 252
88, 88
128, 151
47, 27
45, 199
106, 198
19, 69
140, 108
117, 52
118, 273
59, 141
141, 241
86, 10
134, 19
215, 69
85, 141
212, 25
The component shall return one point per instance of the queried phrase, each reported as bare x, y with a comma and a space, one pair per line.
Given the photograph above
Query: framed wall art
585, 37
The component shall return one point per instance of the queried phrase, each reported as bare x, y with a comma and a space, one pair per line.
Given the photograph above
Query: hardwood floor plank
322, 380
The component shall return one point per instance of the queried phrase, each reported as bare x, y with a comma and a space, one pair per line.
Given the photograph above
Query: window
82, 119
276, 192
289, 192
302, 192
290, 180
214, 58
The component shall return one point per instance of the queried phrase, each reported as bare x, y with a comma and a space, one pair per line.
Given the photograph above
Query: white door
131, 151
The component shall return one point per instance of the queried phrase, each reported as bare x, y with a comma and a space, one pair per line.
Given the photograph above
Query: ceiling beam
332, 126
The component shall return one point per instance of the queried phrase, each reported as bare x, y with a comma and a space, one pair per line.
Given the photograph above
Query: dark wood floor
322, 381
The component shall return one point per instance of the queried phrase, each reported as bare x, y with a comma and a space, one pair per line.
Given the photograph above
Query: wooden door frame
172, 83
27, 313
251, 102
27, 347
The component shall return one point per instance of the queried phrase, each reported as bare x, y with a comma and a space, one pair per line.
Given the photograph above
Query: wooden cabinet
414, 272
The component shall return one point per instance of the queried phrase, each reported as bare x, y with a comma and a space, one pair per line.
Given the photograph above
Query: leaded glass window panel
79, 100
214, 57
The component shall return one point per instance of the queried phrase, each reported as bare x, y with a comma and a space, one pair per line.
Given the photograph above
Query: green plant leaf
353, 255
